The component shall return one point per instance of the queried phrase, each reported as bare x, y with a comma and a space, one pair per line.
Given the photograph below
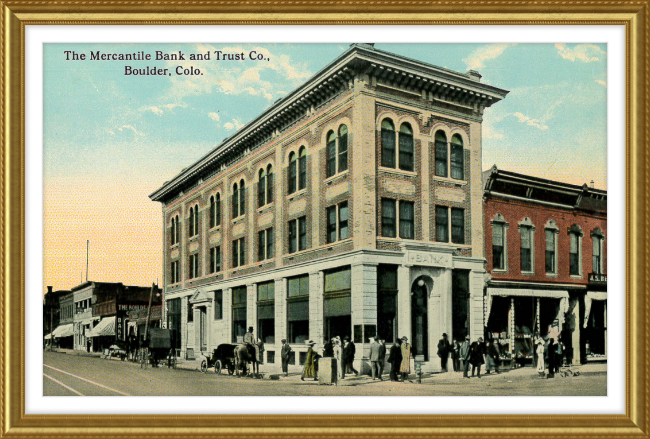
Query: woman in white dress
540, 358
338, 354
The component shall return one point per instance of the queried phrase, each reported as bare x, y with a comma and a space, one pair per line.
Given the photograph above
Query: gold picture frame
634, 15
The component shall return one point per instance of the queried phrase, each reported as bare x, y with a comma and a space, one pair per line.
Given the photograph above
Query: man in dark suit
382, 356
443, 351
374, 357
395, 359
285, 352
348, 356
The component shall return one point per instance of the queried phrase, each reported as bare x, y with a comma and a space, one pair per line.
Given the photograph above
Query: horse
244, 355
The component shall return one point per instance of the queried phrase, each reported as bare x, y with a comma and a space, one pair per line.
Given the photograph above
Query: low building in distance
352, 207
546, 248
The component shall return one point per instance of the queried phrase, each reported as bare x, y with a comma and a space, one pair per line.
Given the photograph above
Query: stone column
316, 284
363, 301
404, 301
184, 325
576, 325
476, 299
227, 314
197, 330
439, 313
251, 308
280, 314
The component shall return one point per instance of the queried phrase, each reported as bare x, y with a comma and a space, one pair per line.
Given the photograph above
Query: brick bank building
351, 207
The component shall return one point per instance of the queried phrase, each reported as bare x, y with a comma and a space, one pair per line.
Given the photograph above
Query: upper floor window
387, 143
238, 253
442, 224
498, 246
265, 243
269, 183
215, 210
598, 239
194, 221
238, 199
175, 272
457, 158
175, 230
334, 156
298, 234
337, 230
441, 154
261, 188
388, 218
406, 220
293, 172
298, 170
550, 232
406, 147
457, 225
193, 269
526, 249
575, 253
215, 259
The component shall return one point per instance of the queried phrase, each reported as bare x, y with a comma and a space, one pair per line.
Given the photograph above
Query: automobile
116, 352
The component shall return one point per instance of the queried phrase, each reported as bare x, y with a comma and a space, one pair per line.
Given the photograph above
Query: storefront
103, 335
63, 336
595, 326
515, 317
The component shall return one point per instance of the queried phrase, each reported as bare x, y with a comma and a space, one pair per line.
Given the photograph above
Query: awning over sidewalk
106, 327
589, 297
525, 292
48, 336
63, 331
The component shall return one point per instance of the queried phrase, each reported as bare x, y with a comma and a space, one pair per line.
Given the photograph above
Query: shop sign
428, 259
598, 279
120, 328
131, 307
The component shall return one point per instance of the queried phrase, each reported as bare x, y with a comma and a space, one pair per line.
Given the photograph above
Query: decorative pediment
200, 297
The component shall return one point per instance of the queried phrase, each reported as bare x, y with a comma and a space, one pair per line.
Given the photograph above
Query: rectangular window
441, 159
550, 251
238, 253
298, 286
442, 224
406, 220
388, 218
266, 312
261, 191
193, 270
302, 233
526, 246
574, 255
269, 187
270, 243
175, 274
293, 236
302, 170
596, 255
405, 151
343, 153
218, 305
388, 148
215, 259
343, 220
498, 256
387, 302
331, 158
261, 245
331, 224
457, 226
239, 296
190, 311
298, 309
457, 162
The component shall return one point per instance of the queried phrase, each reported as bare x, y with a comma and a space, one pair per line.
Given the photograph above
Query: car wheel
204, 366
217, 367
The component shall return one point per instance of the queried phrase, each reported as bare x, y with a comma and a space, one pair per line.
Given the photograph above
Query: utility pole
51, 323
146, 326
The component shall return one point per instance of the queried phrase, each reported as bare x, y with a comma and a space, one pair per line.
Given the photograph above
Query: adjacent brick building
546, 249
351, 207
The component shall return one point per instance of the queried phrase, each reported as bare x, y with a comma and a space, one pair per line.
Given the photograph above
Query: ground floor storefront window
174, 321
337, 310
298, 309
595, 331
238, 314
387, 302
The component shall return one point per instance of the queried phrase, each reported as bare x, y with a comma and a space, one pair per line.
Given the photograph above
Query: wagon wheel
204, 366
217, 367
231, 368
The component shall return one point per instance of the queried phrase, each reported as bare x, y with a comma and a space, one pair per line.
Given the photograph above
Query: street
72, 375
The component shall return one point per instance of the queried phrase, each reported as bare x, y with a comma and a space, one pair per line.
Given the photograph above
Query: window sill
215, 228
528, 273
500, 271
330, 180
576, 276
193, 238
297, 193
450, 180
397, 171
265, 207
174, 246
551, 275
240, 218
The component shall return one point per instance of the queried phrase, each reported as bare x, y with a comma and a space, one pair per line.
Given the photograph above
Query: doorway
419, 320
203, 322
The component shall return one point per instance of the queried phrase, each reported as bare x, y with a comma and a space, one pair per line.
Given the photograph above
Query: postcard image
325, 219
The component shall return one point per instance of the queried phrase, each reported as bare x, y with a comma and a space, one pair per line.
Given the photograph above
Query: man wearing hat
443, 351
348, 356
285, 353
477, 355
464, 357
250, 342
374, 358
309, 370
405, 367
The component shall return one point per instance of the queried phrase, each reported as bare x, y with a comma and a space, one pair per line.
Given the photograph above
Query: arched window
217, 210
598, 241
269, 183
191, 229
405, 147
261, 189
178, 230
302, 168
331, 154
213, 212
457, 158
441, 154
293, 170
235, 201
343, 148
242, 197
172, 232
387, 143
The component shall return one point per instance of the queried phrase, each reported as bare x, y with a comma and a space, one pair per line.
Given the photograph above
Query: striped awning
106, 327
63, 331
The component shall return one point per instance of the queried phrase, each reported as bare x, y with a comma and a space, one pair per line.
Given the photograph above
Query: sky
111, 139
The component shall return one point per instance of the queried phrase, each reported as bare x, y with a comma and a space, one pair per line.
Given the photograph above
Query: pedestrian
348, 357
491, 357
374, 358
477, 356
405, 368
550, 357
540, 357
395, 359
464, 356
559, 357
455, 352
444, 349
285, 352
328, 349
338, 354
259, 351
382, 357
309, 370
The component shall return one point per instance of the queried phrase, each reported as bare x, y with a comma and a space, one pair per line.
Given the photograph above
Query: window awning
63, 331
589, 297
106, 327
525, 292
48, 336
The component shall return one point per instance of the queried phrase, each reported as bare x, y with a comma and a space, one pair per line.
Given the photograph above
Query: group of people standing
343, 351
551, 354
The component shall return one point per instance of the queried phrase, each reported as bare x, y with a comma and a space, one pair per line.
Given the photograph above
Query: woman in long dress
309, 370
338, 354
540, 358
405, 368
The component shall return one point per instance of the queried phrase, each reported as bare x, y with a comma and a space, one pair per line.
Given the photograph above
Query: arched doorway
419, 318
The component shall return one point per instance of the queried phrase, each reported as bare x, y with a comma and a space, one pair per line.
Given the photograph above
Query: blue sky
117, 137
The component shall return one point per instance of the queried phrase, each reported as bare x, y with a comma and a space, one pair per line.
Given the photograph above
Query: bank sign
429, 259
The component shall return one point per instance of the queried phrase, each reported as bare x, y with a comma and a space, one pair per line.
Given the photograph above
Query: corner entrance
419, 319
